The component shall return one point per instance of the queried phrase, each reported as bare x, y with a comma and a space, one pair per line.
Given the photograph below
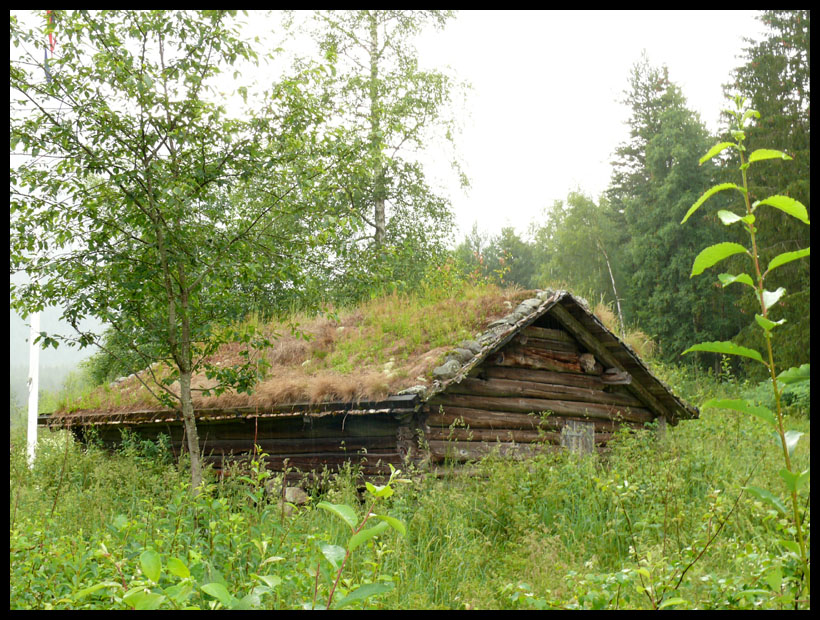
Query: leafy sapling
338, 556
710, 256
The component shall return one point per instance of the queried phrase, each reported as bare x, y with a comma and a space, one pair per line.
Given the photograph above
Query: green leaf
178, 567
728, 217
749, 113
768, 497
708, 194
363, 536
249, 601
180, 592
787, 257
718, 148
792, 437
96, 587
151, 564
379, 491
714, 254
120, 522
788, 205
726, 279
394, 523
766, 323
729, 348
334, 554
761, 154
795, 375
364, 592
343, 511
791, 546
794, 480
673, 601
140, 598
269, 580
774, 577
219, 592
743, 407
770, 297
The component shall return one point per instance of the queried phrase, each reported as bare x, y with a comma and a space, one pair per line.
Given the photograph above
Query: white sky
545, 116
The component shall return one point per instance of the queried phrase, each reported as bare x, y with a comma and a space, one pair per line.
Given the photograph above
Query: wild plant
710, 256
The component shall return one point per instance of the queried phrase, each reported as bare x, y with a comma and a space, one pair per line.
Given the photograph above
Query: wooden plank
589, 340
509, 435
542, 376
474, 450
537, 359
549, 334
550, 345
295, 446
528, 405
482, 419
507, 387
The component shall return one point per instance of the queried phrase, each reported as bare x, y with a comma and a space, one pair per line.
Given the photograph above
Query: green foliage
395, 224
151, 207
656, 176
775, 78
574, 244
551, 532
766, 299
504, 259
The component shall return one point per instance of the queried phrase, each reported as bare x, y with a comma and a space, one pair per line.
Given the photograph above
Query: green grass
553, 532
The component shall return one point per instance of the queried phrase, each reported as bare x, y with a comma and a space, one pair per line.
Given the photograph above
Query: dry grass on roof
365, 353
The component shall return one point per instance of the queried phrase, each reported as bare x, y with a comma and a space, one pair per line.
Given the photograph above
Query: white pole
33, 385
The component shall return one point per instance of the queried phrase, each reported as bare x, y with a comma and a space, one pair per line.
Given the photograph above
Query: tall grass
557, 531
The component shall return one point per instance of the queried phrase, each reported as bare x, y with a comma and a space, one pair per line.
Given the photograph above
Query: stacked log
306, 443
524, 396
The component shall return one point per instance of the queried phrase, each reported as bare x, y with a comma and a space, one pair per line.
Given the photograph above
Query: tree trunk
375, 136
190, 430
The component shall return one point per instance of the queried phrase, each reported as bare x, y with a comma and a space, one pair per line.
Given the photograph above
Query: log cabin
543, 374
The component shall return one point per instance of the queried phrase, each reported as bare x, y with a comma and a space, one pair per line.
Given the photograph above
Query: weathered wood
539, 359
475, 450
590, 365
549, 345
475, 434
296, 446
527, 405
541, 376
613, 376
507, 387
592, 343
549, 334
483, 419
578, 437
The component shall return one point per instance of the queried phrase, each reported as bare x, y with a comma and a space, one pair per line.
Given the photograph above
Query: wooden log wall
303, 442
522, 398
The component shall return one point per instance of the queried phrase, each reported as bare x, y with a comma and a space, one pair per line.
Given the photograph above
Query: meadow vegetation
625, 529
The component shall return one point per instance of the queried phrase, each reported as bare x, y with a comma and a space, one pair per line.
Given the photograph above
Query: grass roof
364, 353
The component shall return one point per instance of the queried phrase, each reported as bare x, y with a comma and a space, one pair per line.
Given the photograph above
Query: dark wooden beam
586, 338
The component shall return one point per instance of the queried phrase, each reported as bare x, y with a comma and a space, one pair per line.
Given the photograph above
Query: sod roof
366, 353
388, 353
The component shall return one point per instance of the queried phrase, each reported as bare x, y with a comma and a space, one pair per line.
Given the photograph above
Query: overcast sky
544, 116
544, 112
